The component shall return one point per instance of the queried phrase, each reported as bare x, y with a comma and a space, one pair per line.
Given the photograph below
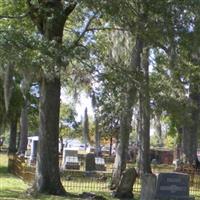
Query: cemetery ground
12, 187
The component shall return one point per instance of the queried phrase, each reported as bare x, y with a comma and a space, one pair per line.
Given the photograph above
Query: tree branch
14, 17
75, 43
106, 28
158, 44
70, 8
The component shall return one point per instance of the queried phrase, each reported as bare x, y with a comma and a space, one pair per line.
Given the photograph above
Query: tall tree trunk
47, 170
126, 117
186, 142
195, 97
13, 136
50, 18
23, 130
144, 116
12, 143
178, 148
158, 128
8, 85
122, 146
192, 126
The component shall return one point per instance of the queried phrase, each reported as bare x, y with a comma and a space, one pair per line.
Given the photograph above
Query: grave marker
100, 164
31, 152
90, 162
70, 159
172, 185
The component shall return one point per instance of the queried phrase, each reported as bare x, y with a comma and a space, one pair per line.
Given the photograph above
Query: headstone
148, 186
125, 187
70, 159
100, 164
70, 152
90, 162
172, 185
33, 153
71, 162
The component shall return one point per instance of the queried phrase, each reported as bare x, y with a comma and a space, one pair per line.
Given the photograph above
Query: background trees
127, 54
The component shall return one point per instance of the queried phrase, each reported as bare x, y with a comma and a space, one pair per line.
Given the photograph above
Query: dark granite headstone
90, 162
172, 185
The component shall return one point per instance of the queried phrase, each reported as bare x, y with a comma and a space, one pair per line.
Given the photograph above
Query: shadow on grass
3, 169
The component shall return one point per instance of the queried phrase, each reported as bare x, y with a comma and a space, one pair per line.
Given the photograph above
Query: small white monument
31, 152
70, 159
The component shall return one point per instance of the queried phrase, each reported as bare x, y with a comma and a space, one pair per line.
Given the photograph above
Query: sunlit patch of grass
11, 187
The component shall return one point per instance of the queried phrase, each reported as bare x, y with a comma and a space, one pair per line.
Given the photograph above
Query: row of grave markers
92, 163
70, 158
166, 186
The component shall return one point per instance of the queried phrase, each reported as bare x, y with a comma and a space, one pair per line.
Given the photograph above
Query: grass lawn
11, 187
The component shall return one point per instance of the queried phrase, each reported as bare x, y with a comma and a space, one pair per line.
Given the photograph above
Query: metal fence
94, 181
81, 181
194, 175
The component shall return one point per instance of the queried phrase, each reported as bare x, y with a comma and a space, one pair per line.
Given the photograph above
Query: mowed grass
12, 187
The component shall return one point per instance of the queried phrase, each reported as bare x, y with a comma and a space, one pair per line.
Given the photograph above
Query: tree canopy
126, 55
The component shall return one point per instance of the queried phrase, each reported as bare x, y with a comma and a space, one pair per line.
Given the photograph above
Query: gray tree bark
158, 128
122, 146
8, 85
144, 116
191, 128
47, 169
126, 117
50, 24
13, 136
23, 129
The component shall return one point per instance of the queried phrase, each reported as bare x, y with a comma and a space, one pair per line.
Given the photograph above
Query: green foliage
16, 103
69, 127
154, 140
170, 142
33, 109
